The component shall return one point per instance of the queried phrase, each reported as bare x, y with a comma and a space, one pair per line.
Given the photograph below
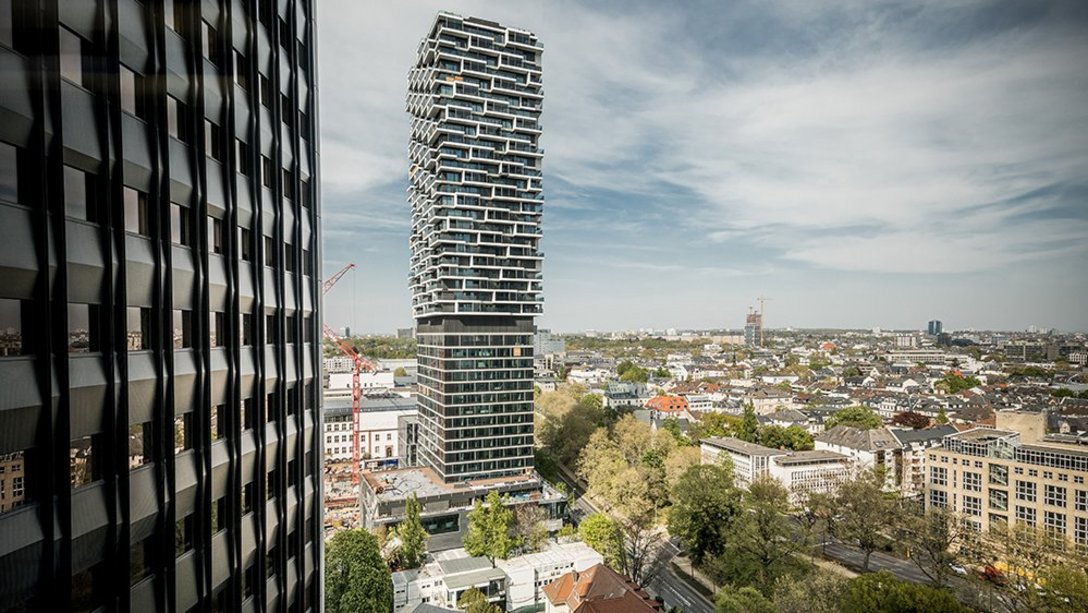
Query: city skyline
721, 152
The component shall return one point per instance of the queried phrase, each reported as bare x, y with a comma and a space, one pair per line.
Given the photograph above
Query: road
674, 590
852, 557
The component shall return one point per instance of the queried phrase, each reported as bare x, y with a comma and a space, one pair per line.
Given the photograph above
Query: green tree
954, 383
942, 417
762, 539
749, 425
635, 374
356, 577
489, 529
791, 437
864, 511
662, 373
705, 503
857, 416
883, 592
530, 530
413, 538
933, 540
400, 372
624, 366
714, 424
473, 600
742, 600
817, 591
602, 533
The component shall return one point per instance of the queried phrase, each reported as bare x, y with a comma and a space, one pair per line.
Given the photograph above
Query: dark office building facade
159, 350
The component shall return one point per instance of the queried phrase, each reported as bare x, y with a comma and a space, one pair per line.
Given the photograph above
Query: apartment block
159, 430
991, 477
475, 97
800, 472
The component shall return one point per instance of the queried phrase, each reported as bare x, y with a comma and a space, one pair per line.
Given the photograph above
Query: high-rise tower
159, 337
475, 97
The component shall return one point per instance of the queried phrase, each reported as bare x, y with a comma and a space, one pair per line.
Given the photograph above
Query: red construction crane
358, 364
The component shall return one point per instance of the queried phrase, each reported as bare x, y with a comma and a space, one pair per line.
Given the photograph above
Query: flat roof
476, 577
396, 484
735, 444
809, 457
982, 435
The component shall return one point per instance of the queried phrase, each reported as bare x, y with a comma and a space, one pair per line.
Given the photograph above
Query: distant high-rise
159, 340
475, 97
753, 329
935, 327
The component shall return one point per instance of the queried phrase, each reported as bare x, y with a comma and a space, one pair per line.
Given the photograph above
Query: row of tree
747, 428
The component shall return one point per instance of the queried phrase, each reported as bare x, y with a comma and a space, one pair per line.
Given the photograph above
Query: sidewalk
689, 572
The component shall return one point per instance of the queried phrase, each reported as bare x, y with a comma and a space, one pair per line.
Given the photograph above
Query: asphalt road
851, 557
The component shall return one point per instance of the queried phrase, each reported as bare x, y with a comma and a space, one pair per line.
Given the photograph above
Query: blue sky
864, 163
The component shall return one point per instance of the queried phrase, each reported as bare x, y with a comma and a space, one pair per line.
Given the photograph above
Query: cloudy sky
862, 162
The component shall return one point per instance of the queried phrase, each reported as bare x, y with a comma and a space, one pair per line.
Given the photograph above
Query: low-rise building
597, 590
442, 581
914, 444
800, 472
867, 448
379, 428
528, 574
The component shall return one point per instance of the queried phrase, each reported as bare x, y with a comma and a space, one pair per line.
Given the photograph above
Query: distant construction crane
761, 300
358, 364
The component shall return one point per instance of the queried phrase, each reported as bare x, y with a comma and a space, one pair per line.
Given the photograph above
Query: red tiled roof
599, 589
667, 404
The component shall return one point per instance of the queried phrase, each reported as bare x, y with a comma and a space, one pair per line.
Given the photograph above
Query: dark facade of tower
159, 345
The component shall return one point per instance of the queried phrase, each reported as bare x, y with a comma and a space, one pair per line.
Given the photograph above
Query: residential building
475, 95
914, 444
442, 581
159, 289
935, 327
868, 449
991, 478
598, 588
667, 404
767, 400
545, 343
527, 575
800, 472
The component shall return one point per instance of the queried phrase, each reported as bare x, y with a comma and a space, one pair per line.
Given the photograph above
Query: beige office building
989, 476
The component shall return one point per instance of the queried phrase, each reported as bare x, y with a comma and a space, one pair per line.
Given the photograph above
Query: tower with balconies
474, 96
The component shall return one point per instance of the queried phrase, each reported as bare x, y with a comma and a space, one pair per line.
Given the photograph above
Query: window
215, 231
140, 560
79, 194
999, 500
938, 498
241, 154
266, 91
247, 245
11, 329
241, 70
247, 329
211, 43
1025, 490
289, 257
74, 57
972, 482
938, 475
13, 468
288, 185
136, 212
183, 432
177, 119
83, 328
217, 332
270, 329
7, 25
133, 100
1080, 533
267, 178
219, 425
285, 34
181, 224
1026, 515
249, 408
1054, 495
183, 329
307, 264
304, 193
1054, 525
999, 475
972, 505
269, 254
304, 126
286, 109
85, 467
9, 173
138, 328
183, 535
1080, 500
213, 141
219, 514
139, 444
270, 484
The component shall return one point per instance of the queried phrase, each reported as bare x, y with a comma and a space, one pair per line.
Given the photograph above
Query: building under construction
753, 329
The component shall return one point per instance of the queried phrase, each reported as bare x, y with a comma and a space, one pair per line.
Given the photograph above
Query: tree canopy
602, 533
356, 576
883, 592
704, 505
856, 416
911, 419
489, 529
413, 538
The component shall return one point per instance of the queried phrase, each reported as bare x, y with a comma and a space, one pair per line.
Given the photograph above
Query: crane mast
358, 364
